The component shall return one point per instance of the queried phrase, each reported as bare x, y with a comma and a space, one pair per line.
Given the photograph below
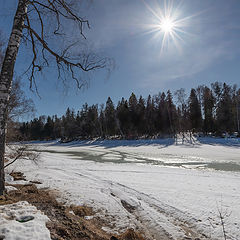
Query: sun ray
152, 11
168, 25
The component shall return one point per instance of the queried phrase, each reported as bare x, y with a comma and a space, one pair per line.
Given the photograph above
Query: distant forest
210, 110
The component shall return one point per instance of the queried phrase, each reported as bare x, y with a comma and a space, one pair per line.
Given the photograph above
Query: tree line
208, 110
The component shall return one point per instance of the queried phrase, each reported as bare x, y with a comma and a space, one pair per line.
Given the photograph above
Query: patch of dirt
18, 176
130, 234
66, 223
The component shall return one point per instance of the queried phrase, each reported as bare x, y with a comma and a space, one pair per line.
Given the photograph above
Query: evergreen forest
204, 110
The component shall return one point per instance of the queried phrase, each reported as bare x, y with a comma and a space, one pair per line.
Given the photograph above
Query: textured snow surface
10, 188
11, 229
165, 188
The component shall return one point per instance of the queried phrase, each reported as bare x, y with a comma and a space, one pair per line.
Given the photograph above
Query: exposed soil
17, 176
66, 223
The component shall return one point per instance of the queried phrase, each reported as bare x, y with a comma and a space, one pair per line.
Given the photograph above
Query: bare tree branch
22, 152
31, 23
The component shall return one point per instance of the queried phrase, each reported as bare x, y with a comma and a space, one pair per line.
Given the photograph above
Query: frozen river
169, 190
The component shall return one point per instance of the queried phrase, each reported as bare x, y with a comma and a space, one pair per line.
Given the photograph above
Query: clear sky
203, 47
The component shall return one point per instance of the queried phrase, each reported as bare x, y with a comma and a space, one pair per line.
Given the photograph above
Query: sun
166, 25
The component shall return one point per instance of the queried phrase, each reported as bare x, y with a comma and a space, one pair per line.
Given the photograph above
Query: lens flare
168, 25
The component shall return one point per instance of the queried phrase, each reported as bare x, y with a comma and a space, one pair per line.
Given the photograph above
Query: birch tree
31, 24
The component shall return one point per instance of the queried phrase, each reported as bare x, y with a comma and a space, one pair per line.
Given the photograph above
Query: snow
11, 229
22, 182
10, 188
164, 188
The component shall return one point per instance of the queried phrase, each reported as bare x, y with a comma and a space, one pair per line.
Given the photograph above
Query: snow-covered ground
165, 188
12, 226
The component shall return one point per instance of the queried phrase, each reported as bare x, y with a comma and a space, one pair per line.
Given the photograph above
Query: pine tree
48, 128
224, 112
110, 118
57, 127
37, 127
163, 112
141, 126
123, 117
134, 120
149, 116
208, 109
69, 124
92, 121
195, 115
102, 123
171, 113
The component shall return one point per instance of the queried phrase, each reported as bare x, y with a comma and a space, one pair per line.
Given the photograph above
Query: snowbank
11, 227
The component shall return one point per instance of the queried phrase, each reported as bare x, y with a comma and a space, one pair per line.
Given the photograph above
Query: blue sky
209, 50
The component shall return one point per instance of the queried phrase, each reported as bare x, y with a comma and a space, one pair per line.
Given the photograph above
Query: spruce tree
123, 117
224, 111
208, 109
132, 103
141, 127
195, 115
149, 116
110, 118
171, 113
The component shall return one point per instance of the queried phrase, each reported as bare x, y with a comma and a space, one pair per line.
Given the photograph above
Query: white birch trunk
6, 78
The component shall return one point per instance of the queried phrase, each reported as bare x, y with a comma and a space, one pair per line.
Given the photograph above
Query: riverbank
64, 222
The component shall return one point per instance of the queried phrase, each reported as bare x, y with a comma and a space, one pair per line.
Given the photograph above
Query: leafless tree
31, 25
21, 151
19, 106
182, 105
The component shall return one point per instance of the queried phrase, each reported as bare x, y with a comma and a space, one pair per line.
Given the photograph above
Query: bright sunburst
168, 25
